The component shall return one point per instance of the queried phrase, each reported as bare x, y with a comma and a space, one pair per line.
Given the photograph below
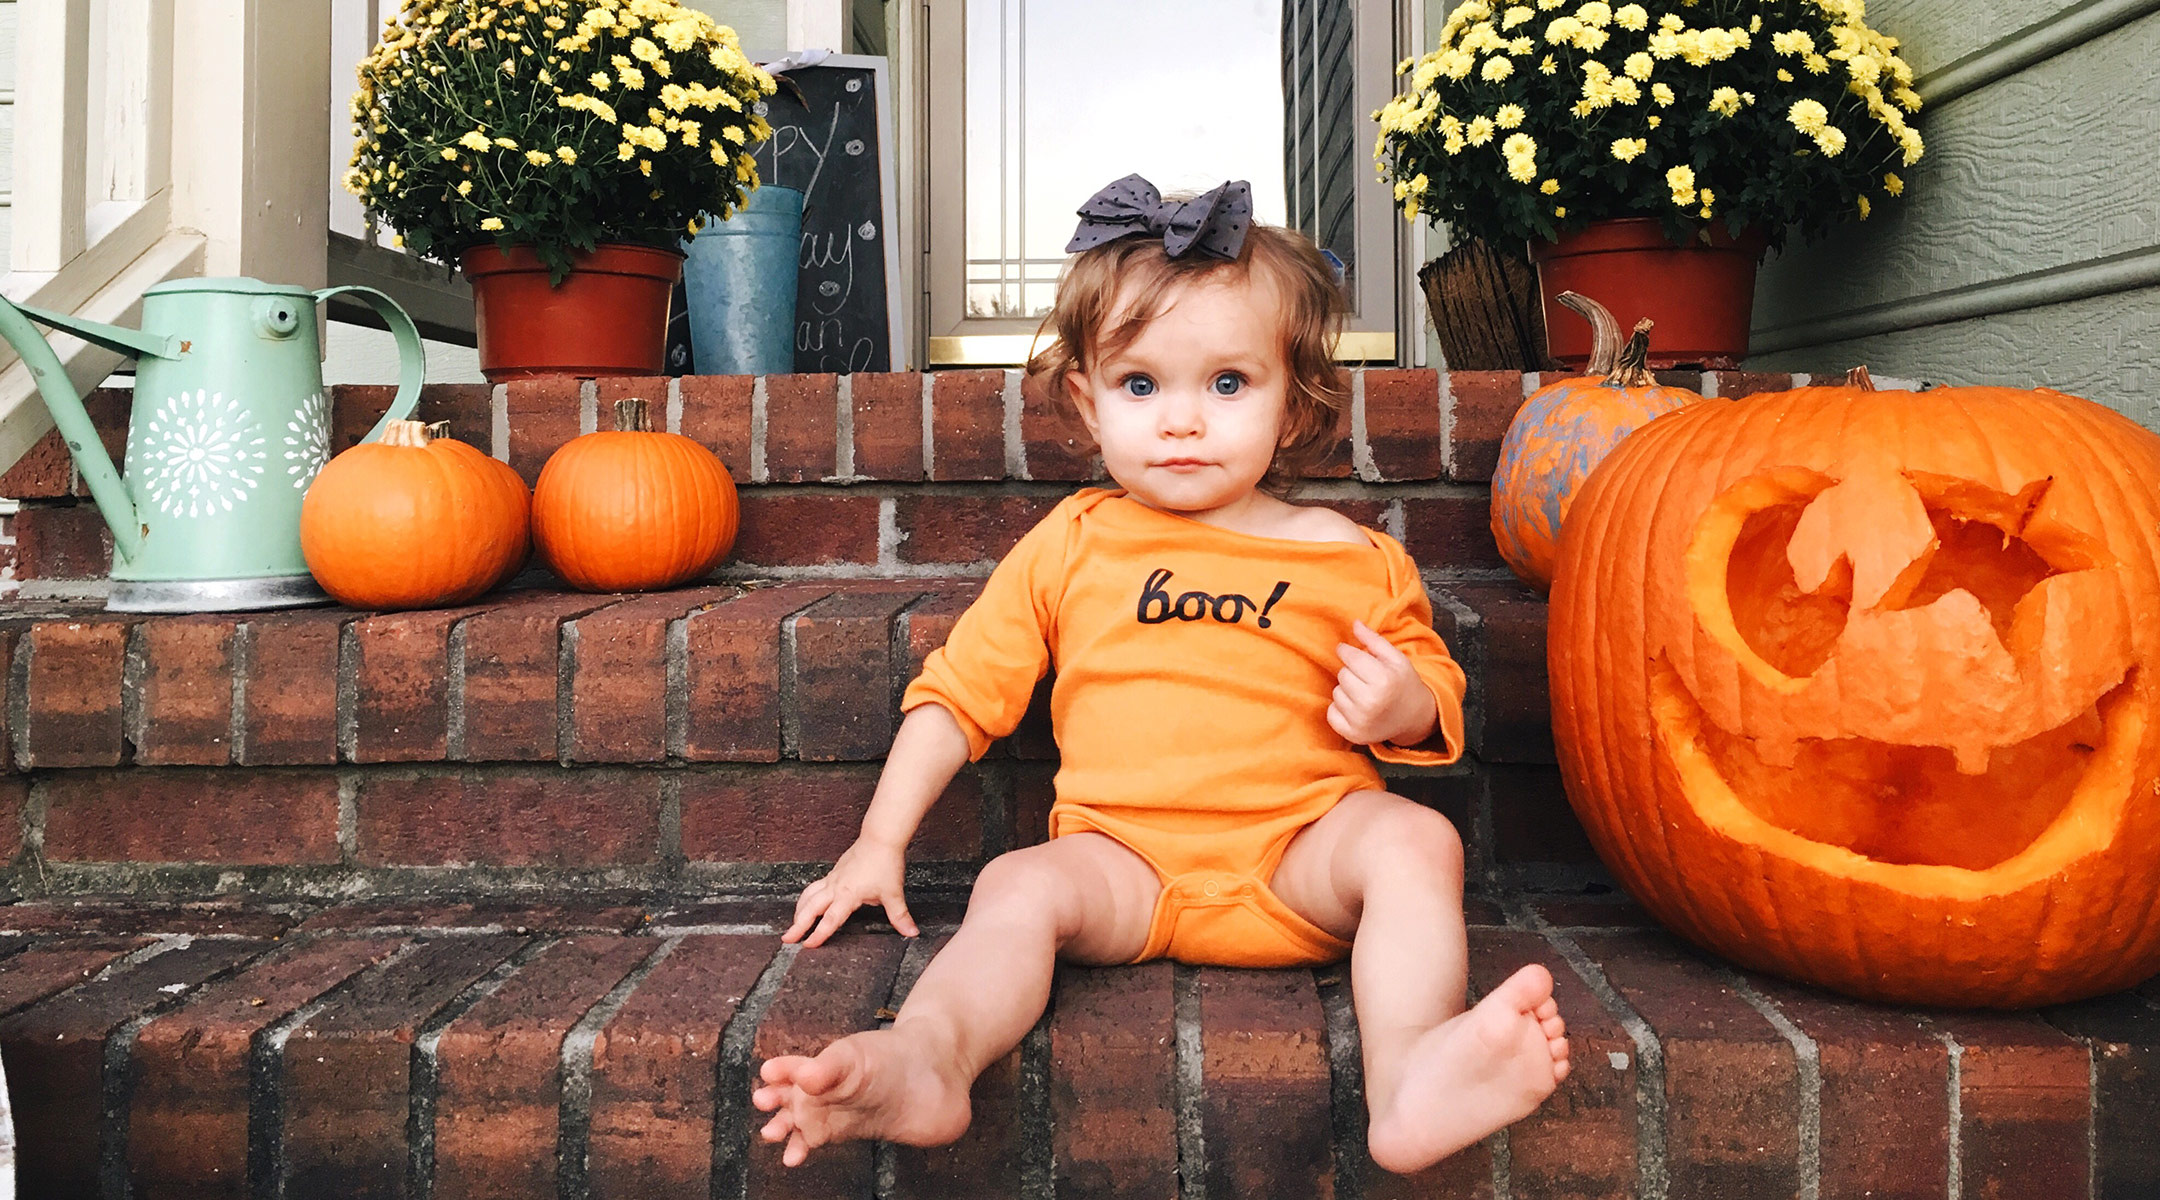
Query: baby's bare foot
885, 1084
1481, 1071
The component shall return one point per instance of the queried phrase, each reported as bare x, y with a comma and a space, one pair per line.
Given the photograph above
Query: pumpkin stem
405, 433
1629, 371
1604, 331
633, 415
1859, 378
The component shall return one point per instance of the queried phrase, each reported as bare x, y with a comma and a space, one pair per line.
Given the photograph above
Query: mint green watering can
228, 428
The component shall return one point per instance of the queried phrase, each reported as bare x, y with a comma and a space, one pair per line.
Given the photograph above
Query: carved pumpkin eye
1894, 729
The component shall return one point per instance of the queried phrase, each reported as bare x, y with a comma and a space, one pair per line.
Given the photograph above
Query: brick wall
726, 734
893, 474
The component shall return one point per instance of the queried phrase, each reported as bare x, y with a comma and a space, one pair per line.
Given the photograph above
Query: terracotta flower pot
609, 316
1701, 295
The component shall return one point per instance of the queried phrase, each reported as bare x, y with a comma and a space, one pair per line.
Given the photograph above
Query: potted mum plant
557, 151
1649, 153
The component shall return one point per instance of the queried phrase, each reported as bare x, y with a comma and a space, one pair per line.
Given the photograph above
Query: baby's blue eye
1139, 385
1228, 383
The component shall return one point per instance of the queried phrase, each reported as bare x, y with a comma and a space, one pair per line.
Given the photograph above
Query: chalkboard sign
832, 141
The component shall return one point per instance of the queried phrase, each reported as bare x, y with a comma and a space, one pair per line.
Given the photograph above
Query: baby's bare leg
1084, 898
1388, 874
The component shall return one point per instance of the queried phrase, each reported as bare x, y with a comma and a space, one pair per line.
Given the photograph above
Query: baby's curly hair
1312, 300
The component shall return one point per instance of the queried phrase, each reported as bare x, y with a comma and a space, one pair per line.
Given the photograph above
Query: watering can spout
73, 421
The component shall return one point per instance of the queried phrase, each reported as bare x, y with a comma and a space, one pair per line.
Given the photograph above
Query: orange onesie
1194, 670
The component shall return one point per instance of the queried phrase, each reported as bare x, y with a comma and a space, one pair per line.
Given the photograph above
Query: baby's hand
868, 873
1378, 695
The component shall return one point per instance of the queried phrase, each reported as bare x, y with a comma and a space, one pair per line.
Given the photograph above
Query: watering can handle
412, 357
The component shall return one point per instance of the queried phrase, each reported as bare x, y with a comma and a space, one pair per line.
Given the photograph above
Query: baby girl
1228, 667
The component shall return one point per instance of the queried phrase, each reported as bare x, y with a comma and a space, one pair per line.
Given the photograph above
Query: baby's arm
927, 752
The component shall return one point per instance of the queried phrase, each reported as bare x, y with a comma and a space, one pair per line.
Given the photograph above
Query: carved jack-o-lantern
1859, 687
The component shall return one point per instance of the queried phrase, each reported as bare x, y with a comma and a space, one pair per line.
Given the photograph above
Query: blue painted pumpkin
1562, 432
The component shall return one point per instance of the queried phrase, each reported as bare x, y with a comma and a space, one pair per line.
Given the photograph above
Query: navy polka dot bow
1213, 222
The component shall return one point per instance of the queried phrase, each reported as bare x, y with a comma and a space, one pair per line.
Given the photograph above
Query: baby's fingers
807, 908
896, 912
1339, 720
843, 906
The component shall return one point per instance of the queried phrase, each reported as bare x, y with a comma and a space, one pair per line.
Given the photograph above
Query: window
1034, 104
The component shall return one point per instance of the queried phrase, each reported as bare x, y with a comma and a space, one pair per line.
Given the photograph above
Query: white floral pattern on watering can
228, 429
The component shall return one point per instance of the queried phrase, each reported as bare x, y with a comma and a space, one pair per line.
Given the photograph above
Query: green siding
1932, 34
2045, 170
7, 129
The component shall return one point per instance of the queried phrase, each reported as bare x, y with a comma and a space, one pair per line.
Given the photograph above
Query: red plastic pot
609, 316
1701, 295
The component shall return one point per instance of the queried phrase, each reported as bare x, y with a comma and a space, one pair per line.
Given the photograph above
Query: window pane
1064, 96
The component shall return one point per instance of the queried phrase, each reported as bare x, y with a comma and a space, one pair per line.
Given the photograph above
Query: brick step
605, 1048
726, 735
880, 473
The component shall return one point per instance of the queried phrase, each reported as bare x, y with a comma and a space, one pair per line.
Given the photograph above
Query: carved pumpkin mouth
1899, 805
1955, 714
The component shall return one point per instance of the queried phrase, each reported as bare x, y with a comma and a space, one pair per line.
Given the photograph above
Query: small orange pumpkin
1564, 431
1863, 688
633, 509
411, 521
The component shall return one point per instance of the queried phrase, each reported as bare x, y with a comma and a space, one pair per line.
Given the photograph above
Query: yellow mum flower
1893, 185
624, 151
1515, 16
645, 50
1792, 41
631, 77
1497, 69
506, 143
1661, 93
1784, 76
1509, 116
1830, 141
675, 96
1864, 208
474, 140
644, 166
1522, 45
733, 133
1656, 120
492, 224
449, 154
538, 158
1561, 31
600, 81
1548, 66
1560, 212
464, 187
719, 153
1725, 101
1520, 150
1816, 64
1808, 116
1549, 187
1596, 14
1629, 149
1639, 65
566, 154
1681, 180
1631, 17
1479, 131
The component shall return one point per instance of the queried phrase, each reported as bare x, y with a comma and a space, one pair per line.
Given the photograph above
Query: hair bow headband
1213, 222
